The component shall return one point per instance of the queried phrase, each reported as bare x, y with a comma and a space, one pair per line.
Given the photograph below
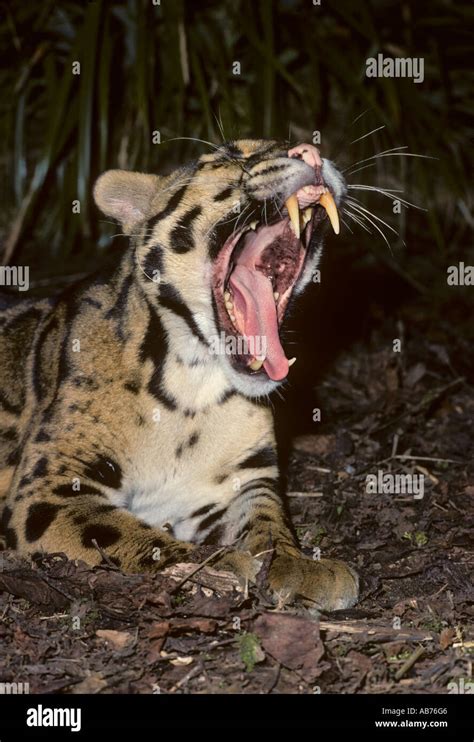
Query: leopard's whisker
278, 392
372, 157
356, 204
356, 219
346, 225
357, 118
241, 214
374, 224
389, 153
220, 126
379, 128
388, 193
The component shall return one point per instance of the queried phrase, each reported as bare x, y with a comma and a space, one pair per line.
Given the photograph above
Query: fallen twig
427, 400
375, 633
305, 494
414, 657
104, 556
186, 571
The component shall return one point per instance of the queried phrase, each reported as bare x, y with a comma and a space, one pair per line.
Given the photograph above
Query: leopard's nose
308, 153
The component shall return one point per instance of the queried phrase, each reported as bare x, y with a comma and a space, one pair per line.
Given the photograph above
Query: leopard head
226, 243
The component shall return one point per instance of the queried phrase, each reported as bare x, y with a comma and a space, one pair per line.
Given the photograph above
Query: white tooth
229, 305
291, 204
328, 203
291, 361
307, 214
253, 225
256, 365
227, 295
276, 295
232, 317
296, 232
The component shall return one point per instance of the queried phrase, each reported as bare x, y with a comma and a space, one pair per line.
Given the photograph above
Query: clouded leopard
133, 406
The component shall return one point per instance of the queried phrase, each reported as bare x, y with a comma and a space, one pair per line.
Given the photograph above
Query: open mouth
255, 275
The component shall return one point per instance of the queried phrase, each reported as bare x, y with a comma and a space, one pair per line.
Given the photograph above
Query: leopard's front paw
328, 584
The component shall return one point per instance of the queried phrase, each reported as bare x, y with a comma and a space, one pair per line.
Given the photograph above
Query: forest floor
69, 628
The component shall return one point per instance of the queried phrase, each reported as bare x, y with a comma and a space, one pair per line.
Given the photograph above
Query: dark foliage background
168, 67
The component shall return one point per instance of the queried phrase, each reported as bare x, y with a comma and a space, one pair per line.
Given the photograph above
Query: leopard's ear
126, 196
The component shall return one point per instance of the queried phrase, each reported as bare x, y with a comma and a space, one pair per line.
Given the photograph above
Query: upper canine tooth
253, 225
291, 361
328, 203
276, 295
291, 204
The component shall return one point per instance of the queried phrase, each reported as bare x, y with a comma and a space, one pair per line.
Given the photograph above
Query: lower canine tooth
291, 204
291, 361
307, 214
328, 203
253, 225
256, 365
276, 295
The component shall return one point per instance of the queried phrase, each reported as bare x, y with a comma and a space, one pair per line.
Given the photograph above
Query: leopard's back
19, 327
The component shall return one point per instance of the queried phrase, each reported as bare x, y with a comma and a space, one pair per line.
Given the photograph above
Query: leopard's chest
182, 464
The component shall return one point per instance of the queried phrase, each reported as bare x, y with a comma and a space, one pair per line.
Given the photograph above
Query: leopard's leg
6, 476
260, 522
67, 498
62, 503
46, 513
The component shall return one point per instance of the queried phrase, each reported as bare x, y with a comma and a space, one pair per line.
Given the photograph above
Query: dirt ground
67, 628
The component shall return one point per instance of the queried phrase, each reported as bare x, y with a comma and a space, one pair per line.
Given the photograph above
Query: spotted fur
118, 427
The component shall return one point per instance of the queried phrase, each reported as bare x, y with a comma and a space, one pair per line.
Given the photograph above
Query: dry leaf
291, 640
446, 638
119, 639
204, 625
321, 445
158, 630
94, 683
180, 661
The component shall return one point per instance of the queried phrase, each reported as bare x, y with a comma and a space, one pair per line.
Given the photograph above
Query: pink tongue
255, 312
